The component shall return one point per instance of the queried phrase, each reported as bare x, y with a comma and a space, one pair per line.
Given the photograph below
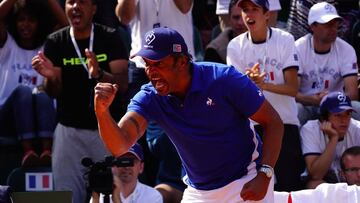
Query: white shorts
230, 193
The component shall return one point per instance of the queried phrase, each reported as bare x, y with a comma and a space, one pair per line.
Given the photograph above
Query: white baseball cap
322, 13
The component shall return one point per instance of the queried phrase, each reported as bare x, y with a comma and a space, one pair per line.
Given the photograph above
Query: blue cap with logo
161, 42
136, 150
335, 102
261, 3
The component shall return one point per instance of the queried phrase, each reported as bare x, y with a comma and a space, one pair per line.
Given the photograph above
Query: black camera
99, 175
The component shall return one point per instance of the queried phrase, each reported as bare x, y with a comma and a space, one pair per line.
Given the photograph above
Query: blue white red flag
38, 181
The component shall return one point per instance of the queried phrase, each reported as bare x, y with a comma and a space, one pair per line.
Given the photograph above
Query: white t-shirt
314, 141
142, 193
222, 6
169, 15
279, 51
320, 72
16, 68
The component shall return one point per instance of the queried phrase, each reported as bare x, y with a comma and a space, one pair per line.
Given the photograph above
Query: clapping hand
43, 65
256, 75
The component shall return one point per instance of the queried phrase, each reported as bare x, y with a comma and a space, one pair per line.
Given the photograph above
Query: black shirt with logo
75, 103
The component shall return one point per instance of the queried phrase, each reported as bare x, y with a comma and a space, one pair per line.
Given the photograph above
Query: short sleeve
290, 56
310, 142
5, 50
242, 93
51, 51
116, 44
232, 57
140, 102
348, 60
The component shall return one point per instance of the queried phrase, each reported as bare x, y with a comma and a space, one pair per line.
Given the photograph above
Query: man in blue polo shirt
204, 108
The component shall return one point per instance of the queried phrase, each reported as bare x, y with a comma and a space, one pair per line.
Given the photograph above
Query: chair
42, 197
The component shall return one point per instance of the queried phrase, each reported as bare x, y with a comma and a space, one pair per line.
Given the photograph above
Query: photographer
127, 187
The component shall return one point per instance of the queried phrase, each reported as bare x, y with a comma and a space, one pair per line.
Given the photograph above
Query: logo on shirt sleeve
296, 57
210, 102
355, 66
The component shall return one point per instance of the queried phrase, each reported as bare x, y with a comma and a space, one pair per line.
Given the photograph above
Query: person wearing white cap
326, 62
324, 140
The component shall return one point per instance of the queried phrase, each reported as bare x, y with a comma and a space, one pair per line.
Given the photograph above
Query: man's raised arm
118, 137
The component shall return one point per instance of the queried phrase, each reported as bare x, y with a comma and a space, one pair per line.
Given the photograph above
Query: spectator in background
350, 165
127, 186
299, 10
276, 76
327, 63
223, 12
325, 140
25, 110
216, 50
105, 15
71, 80
143, 15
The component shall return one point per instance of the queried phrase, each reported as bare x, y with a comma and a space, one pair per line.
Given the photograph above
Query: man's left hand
256, 188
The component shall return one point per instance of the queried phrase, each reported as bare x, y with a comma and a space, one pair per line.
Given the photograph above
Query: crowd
263, 107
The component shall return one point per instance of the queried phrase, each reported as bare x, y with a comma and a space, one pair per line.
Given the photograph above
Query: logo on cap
342, 99
329, 8
149, 38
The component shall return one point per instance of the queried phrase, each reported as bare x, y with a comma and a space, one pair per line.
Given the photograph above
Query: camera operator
127, 187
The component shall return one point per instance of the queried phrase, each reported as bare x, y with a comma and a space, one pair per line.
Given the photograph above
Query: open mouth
158, 83
75, 17
250, 22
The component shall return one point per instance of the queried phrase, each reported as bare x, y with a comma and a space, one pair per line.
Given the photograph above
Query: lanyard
157, 5
320, 80
263, 65
91, 42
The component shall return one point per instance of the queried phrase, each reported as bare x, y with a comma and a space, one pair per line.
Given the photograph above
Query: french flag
38, 181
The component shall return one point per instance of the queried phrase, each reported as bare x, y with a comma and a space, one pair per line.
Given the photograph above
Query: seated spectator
299, 9
127, 186
25, 110
326, 63
324, 140
350, 165
216, 49
276, 75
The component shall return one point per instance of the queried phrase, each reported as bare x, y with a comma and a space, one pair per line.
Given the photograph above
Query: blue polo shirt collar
196, 82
